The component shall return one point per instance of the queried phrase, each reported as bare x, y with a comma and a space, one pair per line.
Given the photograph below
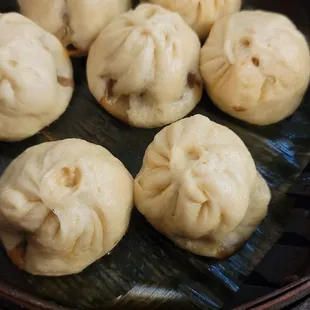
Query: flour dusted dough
199, 186
256, 66
36, 79
143, 67
63, 205
76, 22
200, 14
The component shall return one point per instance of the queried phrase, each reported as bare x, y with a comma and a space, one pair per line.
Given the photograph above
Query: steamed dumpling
76, 22
256, 66
143, 67
200, 14
199, 186
36, 79
63, 205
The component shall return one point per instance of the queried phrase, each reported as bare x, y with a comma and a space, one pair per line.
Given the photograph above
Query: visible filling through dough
69, 177
255, 61
117, 106
246, 42
193, 80
65, 33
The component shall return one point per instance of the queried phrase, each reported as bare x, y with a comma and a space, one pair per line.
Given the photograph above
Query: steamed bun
200, 14
199, 186
36, 79
76, 22
143, 67
63, 205
256, 66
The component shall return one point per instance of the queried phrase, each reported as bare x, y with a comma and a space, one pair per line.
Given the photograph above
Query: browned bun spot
72, 51
239, 109
222, 253
17, 255
66, 82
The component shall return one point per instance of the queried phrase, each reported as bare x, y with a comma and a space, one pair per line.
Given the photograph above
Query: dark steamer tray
146, 270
